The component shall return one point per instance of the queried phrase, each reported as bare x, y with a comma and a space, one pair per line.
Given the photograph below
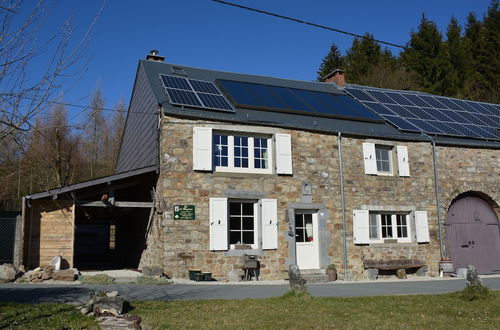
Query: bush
296, 295
96, 279
475, 292
148, 280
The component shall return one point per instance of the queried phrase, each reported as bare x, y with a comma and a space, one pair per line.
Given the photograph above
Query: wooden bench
400, 266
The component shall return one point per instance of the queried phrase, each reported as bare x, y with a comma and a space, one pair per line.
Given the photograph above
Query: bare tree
25, 94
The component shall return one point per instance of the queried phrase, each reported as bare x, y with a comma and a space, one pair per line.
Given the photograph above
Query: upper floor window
378, 159
239, 153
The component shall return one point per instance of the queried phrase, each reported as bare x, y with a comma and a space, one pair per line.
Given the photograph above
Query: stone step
315, 278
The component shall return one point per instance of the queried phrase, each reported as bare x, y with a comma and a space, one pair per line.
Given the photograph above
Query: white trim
269, 221
394, 227
422, 227
218, 224
361, 228
202, 149
369, 158
283, 144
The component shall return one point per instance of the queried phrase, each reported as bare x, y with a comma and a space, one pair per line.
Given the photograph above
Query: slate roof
384, 130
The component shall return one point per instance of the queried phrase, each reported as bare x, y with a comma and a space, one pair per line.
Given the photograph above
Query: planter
332, 275
207, 277
199, 277
446, 266
192, 273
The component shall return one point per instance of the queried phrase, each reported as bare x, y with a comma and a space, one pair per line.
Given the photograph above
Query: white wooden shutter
269, 223
403, 163
218, 224
370, 158
422, 226
202, 149
283, 153
361, 227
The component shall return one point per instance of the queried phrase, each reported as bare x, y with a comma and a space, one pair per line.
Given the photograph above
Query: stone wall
181, 245
49, 231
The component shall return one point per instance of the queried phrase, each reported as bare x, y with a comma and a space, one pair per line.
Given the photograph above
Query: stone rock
35, 275
56, 262
372, 273
297, 283
473, 276
422, 271
64, 275
112, 294
235, 275
105, 304
21, 268
401, 274
47, 273
7, 273
152, 271
37, 269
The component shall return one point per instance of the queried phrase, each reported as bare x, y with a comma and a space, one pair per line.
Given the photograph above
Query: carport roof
93, 182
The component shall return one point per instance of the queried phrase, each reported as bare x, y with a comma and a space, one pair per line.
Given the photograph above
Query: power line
310, 23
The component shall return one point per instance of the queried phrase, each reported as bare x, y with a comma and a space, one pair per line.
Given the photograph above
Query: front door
306, 240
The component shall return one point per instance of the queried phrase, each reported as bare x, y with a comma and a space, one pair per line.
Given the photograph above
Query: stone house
215, 165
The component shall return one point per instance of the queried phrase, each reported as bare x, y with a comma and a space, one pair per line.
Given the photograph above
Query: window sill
239, 253
395, 244
242, 170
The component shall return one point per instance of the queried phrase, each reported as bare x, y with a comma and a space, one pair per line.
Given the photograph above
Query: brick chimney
337, 76
154, 55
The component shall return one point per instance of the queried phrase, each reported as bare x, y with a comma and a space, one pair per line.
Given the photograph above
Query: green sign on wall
184, 212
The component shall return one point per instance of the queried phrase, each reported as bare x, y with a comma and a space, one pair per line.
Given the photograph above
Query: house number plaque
184, 212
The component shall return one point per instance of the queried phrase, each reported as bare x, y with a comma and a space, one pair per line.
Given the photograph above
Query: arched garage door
473, 235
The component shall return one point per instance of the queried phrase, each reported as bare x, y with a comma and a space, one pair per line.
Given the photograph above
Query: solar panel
195, 93
287, 99
432, 114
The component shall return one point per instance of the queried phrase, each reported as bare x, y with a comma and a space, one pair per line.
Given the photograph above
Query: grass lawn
43, 316
394, 312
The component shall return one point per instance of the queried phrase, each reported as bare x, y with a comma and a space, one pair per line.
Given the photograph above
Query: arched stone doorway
473, 234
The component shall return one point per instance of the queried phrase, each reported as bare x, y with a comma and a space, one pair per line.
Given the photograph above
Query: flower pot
192, 273
208, 276
446, 266
199, 277
332, 275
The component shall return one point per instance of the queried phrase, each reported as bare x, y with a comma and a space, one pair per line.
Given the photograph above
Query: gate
7, 236
473, 235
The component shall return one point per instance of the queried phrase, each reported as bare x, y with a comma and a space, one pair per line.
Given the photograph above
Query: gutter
344, 225
438, 203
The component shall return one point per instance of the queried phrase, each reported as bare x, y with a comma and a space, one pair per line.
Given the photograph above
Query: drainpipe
438, 204
344, 226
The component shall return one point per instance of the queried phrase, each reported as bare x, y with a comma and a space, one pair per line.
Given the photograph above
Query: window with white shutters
382, 226
378, 159
236, 222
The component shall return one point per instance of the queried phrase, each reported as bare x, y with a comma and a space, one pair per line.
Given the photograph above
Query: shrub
96, 279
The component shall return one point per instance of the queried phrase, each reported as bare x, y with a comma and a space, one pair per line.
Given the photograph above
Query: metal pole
344, 229
438, 204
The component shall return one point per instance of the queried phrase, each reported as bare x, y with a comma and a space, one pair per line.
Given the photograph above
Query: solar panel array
419, 112
295, 100
195, 93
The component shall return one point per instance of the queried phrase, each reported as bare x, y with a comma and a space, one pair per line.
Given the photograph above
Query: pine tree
455, 50
333, 60
425, 57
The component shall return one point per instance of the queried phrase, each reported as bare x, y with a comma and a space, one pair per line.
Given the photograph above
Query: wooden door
473, 235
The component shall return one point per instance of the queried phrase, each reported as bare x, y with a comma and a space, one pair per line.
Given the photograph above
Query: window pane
237, 162
263, 143
234, 237
248, 223
234, 223
237, 152
244, 162
248, 237
244, 141
386, 223
373, 226
234, 208
244, 152
402, 226
223, 139
299, 220
247, 208
309, 231
224, 161
299, 235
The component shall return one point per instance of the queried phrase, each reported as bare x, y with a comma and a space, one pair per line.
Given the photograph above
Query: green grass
43, 316
391, 312
96, 279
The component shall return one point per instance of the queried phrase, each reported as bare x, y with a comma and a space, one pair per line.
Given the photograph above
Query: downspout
344, 226
438, 204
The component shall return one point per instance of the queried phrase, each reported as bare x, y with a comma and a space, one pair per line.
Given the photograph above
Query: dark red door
473, 235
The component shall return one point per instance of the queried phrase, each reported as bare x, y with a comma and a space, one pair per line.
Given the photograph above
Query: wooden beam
116, 204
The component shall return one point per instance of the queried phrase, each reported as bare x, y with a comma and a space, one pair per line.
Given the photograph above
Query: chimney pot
337, 76
154, 55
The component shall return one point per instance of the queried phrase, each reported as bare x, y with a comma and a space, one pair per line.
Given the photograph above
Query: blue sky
202, 33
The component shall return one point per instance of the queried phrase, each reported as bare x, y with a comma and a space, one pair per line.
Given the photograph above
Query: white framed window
383, 156
242, 153
243, 221
385, 226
